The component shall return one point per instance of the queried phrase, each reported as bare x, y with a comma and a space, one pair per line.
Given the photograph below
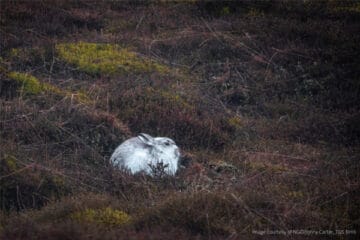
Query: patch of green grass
29, 84
343, 6
253, 12
28, 55
10, 162
97, 58
105, 216
235, 122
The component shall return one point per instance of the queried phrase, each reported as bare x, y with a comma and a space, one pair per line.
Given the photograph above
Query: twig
255, 176
268, 65
333, 199
10, 34
140, 21
52, 61
211, 30
17, 171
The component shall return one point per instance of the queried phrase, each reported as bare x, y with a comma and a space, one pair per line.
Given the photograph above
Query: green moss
15, 52
58, 181
348, 7
10, 162
82, 97
118, 25
295, 194
96, 58
30, 84
29, 56
105, 216
225, 11
253, 12
235, 122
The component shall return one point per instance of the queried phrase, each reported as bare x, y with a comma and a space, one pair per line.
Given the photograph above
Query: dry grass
261, 97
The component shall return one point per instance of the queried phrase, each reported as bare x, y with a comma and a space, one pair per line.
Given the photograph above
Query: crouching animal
146, 153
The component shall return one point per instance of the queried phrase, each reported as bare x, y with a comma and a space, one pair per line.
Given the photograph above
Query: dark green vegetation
262, 97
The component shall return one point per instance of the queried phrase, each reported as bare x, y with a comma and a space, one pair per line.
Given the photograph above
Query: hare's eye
167, 143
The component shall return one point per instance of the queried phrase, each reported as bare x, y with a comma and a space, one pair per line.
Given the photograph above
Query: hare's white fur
144, 151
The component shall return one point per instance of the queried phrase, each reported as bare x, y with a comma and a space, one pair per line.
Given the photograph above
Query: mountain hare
146, 153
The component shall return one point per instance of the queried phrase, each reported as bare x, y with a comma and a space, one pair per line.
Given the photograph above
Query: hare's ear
146, 139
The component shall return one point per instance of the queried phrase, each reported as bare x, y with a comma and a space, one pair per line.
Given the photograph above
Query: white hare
144, 153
